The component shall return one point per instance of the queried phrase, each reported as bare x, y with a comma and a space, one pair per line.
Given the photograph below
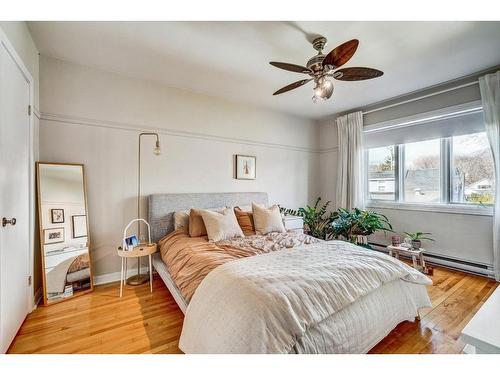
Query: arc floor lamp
141, 279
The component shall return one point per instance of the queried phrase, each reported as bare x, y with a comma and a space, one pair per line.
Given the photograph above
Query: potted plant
350, 225
417, 237
316, 218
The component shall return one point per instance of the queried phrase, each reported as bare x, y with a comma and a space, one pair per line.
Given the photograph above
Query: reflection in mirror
63, 231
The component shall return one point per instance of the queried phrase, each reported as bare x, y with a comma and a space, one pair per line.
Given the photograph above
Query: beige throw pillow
221, 226
267, 220
196, 225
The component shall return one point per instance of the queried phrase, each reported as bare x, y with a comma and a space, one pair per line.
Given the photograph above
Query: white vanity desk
294, 223
482, 333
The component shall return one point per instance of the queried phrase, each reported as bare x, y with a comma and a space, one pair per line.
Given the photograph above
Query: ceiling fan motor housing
319, 43
315, 63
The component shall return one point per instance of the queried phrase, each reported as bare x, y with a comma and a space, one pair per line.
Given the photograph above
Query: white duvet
271, 303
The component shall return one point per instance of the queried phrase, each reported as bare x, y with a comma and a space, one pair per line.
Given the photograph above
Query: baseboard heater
453, 263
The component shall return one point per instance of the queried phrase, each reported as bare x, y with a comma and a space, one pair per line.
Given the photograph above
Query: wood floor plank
144, 322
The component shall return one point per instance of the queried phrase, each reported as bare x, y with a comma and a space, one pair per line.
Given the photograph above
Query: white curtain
490, 97
350, 161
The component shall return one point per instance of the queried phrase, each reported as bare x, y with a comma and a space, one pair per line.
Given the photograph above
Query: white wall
467, 237
94, 117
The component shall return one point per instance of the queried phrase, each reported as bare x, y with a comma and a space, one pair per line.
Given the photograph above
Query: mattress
363, 324
283, 301
355, 328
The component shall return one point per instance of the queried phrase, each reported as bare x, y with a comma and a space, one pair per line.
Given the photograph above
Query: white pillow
181, 219
267, 220
221, 226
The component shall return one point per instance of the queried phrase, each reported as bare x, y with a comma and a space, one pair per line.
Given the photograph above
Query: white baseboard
115, 276
449, 262
37, 297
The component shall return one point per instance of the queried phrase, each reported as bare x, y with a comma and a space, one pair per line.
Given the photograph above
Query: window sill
442, 208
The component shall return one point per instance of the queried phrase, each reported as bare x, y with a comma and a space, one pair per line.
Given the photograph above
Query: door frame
5, 43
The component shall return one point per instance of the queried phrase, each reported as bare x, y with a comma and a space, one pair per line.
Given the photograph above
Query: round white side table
140, 250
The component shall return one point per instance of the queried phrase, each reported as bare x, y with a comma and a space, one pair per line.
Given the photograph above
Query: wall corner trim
82, 121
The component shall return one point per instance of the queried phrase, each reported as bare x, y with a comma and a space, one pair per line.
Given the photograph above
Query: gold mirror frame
41, 234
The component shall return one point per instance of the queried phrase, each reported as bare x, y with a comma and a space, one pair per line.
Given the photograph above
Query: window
472, 170
450, 170
438, 158
382, 173
422, 172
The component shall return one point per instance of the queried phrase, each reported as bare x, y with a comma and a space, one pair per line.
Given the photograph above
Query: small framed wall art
53, 235
57, 215
246, 167
79, 226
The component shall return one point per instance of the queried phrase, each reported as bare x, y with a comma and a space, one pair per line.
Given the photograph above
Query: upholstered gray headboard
162, 207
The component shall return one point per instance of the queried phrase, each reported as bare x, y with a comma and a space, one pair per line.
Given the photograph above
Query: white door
14, 197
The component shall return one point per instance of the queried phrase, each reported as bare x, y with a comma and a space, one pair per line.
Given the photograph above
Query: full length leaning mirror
64, 231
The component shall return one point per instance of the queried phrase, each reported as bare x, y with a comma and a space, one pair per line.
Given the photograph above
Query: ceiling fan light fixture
324, 68
323, 90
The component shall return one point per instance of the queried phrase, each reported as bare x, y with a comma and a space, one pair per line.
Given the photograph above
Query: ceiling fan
322, 68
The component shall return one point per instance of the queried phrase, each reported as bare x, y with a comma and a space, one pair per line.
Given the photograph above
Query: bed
74, 271
308, 297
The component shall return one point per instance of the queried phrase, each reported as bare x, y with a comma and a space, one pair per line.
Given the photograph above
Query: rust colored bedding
190, 259
82, 261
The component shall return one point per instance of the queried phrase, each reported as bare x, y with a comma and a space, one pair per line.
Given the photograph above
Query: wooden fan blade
357, 74
291, 67
292, 86
340, 55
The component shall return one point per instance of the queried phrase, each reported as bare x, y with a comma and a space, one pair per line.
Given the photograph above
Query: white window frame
445, 206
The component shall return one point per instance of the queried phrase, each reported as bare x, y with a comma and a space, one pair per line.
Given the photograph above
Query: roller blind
448, 122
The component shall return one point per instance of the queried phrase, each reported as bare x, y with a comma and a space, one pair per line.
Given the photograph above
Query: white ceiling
230, 59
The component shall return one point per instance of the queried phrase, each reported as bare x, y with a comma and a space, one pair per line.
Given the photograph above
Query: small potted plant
417, 237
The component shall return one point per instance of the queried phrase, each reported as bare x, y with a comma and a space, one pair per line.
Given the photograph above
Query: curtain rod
421, 97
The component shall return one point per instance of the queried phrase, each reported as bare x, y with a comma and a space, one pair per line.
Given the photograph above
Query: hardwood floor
102, 322
142, 322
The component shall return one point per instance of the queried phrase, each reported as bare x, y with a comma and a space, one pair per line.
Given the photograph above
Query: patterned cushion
245, 220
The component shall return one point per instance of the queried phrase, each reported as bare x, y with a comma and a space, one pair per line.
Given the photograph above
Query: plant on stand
356, 223
317, 221
417, 237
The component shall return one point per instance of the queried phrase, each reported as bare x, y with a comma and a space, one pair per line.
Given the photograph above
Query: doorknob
5, 221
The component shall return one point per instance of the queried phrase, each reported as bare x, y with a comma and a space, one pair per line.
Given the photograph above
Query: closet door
14, 197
